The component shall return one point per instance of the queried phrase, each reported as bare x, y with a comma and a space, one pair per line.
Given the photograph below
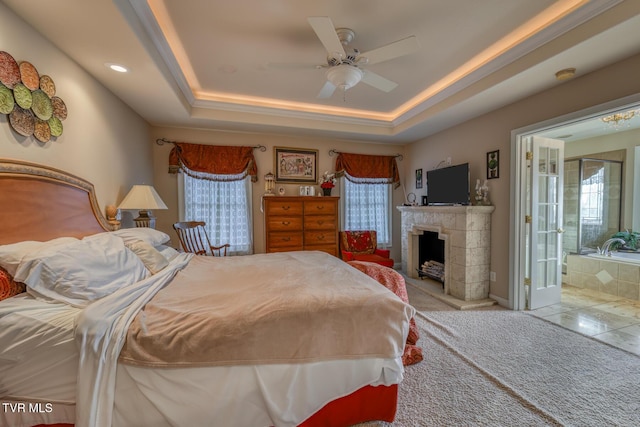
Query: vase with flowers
327, 182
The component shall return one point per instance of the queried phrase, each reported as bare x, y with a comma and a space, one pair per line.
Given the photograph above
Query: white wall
103, 140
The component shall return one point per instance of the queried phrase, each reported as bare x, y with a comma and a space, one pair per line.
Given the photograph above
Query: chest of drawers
301, 223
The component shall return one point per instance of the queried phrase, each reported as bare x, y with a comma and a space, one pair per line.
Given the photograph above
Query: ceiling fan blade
377, 81
327, 90
392, 50
326, 32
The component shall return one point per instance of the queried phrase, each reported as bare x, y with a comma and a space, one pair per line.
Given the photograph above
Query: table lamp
144, 198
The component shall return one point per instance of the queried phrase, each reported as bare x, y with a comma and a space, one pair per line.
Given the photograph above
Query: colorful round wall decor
29, 99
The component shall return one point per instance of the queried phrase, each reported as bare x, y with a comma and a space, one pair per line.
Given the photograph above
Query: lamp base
145, 219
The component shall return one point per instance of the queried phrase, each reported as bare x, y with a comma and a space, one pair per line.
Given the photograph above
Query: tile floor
608, 318
612, 319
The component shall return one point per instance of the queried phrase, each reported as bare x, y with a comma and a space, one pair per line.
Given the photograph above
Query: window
225, 206
367, 207
592, 197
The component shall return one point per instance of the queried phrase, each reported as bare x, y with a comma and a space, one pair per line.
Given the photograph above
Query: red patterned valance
199, 160
368, 169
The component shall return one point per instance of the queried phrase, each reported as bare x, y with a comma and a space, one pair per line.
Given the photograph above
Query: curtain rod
334, 151
162, 141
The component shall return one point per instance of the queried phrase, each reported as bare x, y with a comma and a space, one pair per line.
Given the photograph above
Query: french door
545, 164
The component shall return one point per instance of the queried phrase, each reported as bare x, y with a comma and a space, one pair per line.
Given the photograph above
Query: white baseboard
501, 301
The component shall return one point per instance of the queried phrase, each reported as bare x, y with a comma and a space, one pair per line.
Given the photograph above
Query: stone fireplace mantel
466, 232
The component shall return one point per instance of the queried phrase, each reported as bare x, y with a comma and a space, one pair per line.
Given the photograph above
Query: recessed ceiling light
565, 74
117, 67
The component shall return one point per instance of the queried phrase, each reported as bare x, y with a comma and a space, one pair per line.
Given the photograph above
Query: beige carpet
505, 368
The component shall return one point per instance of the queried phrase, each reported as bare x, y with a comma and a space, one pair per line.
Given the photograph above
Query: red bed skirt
366, 404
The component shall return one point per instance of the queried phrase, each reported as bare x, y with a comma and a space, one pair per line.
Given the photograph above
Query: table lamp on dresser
143, 198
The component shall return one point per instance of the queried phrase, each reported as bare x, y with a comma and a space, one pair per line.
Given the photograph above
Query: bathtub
618, 274
632, 257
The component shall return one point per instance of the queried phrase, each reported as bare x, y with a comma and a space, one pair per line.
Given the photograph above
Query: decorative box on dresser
306, 223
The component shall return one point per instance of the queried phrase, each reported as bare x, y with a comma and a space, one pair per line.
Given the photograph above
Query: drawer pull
286, 239
286, 208
286, 222
321, 237
320, 207
320, 222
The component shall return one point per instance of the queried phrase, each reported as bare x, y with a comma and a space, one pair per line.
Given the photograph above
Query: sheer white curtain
367, 207
225, 206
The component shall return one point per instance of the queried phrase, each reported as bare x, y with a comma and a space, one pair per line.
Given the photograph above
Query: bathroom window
592, 203
592, 198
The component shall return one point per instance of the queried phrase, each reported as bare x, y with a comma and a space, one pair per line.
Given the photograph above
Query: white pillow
82, 271
11, 255
150, 235
150, 256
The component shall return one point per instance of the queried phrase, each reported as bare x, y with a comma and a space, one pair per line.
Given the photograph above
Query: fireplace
431, 259
464, 233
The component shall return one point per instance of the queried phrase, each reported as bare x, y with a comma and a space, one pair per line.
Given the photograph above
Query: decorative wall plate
41, 131
22, 95
56, 126
42, 107
22, 121
6, 100
9, 70
29, 75
59, 108
47, 85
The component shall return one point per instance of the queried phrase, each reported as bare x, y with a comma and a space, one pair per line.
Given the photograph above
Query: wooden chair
362, 245
193, 238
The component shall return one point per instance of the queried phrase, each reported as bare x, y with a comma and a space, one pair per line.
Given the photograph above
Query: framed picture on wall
418, 178
493, 164
296, 165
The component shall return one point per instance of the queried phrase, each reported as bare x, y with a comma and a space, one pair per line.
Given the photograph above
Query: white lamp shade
142, 197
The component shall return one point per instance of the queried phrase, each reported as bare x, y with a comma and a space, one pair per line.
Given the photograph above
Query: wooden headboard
41, 203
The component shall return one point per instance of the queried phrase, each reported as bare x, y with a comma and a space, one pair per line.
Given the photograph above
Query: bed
167, 338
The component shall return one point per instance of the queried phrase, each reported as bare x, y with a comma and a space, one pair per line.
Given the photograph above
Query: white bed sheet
38, 355
38, 362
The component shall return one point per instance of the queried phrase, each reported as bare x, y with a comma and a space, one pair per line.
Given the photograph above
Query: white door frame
518, 170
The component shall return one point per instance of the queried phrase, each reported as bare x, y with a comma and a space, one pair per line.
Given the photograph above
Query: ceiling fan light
344, 76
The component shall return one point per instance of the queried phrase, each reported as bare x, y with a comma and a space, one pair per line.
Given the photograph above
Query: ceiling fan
345, 63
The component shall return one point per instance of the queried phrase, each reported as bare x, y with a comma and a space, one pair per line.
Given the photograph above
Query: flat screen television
448, 186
